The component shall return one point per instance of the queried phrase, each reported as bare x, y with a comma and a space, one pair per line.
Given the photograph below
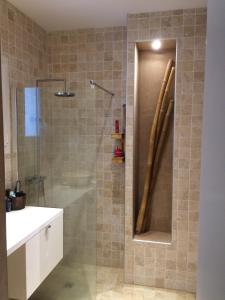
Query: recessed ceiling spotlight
156, 44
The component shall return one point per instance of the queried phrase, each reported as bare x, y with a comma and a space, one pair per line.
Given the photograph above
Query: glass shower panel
27, 133
65, 173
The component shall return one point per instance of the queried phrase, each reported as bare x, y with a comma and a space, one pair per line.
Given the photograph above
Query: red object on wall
118, 152
117, 126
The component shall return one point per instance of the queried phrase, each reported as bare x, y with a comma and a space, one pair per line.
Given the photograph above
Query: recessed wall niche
154, 131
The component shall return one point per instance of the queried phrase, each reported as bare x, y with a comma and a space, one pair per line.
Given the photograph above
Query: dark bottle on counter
8, 201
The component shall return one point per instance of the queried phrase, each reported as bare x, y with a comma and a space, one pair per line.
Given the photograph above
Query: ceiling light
156, 44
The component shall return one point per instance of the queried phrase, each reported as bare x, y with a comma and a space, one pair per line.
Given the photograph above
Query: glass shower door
63, 175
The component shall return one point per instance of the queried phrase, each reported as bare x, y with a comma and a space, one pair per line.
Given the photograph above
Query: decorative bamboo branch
162, 139
158, 155
164, 106
150, 158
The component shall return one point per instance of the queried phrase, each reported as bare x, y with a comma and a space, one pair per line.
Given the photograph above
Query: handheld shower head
94, 84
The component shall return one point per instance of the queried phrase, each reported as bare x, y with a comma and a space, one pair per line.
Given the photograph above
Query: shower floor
129, 292
68, 282
78, 282
110, 287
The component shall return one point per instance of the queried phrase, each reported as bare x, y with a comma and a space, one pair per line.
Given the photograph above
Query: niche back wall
151, 70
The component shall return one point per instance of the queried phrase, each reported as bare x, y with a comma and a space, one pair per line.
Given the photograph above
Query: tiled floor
129, 292
77, 282
110, 287
68, 282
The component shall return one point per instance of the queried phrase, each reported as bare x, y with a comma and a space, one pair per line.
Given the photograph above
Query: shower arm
51, 80
93, 83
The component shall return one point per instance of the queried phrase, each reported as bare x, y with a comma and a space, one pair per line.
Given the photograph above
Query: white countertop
23, 224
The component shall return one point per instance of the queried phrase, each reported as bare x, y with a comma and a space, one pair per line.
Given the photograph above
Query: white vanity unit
34, 248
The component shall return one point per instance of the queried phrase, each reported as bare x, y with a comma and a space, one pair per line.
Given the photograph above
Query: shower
65, 92
57, 162
61, 93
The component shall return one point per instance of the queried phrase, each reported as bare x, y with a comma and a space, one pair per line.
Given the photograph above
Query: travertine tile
101, 54
24, 51
176, 268
98, 54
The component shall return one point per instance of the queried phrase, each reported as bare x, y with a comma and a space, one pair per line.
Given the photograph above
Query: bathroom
108, 131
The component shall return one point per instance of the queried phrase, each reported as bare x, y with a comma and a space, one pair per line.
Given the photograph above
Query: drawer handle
49, 226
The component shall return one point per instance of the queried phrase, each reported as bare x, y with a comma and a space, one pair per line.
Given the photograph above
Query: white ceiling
72, 14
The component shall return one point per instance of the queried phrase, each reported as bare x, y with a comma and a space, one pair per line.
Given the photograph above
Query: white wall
211, 273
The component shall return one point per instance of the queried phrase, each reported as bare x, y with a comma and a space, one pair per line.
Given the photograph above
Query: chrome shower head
64, 94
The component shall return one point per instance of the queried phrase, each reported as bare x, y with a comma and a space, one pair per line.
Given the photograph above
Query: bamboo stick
158, 155
164, 105
162, 138
159, 133
159, 136
144, 200
160, 123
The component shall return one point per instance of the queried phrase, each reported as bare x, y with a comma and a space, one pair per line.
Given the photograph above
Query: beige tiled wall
171, 266
98, 54
24, 49
79, 56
